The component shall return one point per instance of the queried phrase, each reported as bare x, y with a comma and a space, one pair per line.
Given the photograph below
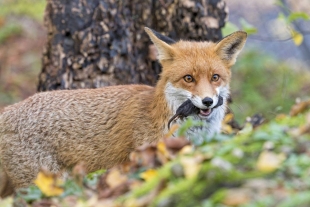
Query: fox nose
207, 101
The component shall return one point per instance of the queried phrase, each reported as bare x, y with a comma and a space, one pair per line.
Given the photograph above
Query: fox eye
215, 77
188, 78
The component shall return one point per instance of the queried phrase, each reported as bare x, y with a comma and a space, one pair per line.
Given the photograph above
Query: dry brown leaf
236, 197
176, 143
115, 178
148, 198
145, 157
303, 129
135, 184
299, 107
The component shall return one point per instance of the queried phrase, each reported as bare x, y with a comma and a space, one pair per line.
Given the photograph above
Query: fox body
100, 127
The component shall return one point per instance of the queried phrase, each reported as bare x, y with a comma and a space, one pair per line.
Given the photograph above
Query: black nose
207, 101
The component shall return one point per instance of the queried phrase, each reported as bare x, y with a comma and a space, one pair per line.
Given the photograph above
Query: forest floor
266, 163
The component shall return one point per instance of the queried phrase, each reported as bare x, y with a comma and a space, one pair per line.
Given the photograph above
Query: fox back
100, 127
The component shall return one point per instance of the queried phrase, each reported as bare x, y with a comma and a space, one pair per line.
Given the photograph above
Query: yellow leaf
161, 147
115, 178
297, 37
191, 166
227, 129
269, 161
188, 149
228, 117
49, 184
149, 174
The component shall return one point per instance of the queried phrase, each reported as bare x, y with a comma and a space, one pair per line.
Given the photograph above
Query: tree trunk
102, 42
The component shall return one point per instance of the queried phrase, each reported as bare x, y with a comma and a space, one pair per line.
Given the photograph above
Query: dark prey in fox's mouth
188, 108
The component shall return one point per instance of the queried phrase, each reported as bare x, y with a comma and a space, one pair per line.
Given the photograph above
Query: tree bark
102, 42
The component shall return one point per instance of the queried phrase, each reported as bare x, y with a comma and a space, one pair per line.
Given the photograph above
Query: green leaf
29, 194
297, 15
97, 173
229, 28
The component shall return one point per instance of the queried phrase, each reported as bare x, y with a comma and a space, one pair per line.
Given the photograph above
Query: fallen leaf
297, 37
145, 157
236, 197
42, 203
176, 143
149, 174
135, 184
299, 107
148, 198
162, 152
269, 161
188, 149
7, 202
191, 166
228, 118
227, 129
49, 184
297, 132
115, 178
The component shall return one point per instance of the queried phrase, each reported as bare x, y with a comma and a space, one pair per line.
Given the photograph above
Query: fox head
198, 71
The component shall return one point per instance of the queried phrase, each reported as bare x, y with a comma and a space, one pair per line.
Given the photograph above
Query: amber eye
215, 77
188, 78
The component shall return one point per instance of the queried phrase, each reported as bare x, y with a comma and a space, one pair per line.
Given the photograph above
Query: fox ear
229, 47
161, 42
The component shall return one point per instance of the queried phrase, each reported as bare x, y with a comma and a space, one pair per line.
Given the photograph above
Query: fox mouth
205, 112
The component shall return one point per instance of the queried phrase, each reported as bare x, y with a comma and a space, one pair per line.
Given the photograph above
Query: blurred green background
261, 82
22, 38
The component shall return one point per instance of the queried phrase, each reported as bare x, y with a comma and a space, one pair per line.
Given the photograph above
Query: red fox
100, 127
